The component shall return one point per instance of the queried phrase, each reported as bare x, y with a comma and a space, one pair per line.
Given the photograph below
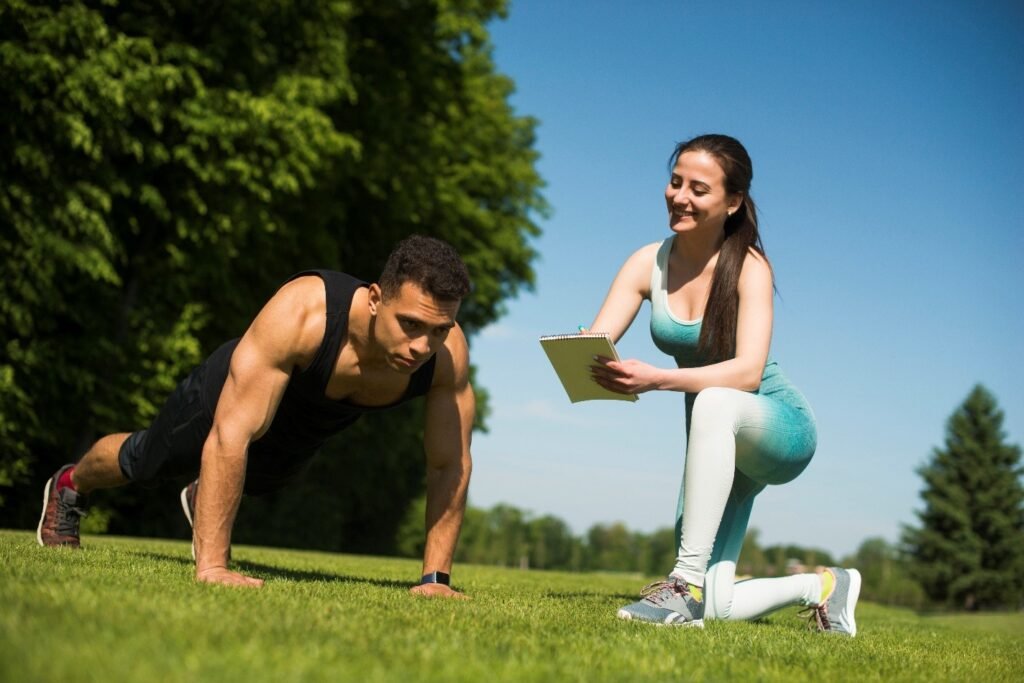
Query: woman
710, 287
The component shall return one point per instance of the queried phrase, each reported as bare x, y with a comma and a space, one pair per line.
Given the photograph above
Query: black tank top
306, 417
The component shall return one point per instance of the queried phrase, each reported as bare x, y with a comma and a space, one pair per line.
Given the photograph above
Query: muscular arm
449, 424
744, 371
279, 339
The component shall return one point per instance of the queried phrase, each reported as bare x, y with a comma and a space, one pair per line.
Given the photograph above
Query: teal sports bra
678, 338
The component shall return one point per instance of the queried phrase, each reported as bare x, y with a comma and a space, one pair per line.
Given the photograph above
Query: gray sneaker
835, 614
666, 602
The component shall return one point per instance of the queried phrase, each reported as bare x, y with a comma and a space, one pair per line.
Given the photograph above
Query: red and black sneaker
63, 509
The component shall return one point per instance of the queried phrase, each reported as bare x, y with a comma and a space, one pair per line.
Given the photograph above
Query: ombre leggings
737, 444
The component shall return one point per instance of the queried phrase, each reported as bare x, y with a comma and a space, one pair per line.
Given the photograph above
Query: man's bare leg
99, 467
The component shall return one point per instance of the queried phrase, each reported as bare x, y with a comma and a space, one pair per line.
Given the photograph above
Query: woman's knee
716, 405
718, 592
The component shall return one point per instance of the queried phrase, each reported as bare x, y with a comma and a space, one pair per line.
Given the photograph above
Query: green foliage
969, 550
509, 537
329, 617
886, 575
165, 166
790, 556
611, 547
778, 560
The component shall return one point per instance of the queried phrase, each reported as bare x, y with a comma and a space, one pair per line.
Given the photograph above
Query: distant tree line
510, 537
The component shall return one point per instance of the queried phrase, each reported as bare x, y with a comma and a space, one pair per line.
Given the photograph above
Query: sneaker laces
817, 617
69, 516
660, 591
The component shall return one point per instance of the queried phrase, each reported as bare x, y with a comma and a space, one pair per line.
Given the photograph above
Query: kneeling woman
710, 287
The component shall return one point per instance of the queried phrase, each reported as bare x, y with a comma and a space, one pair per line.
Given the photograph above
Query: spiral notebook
571, 356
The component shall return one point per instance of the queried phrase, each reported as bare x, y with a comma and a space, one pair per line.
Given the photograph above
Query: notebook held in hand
571, 356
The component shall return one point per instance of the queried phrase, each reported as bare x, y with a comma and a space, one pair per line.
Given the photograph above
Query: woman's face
696, 194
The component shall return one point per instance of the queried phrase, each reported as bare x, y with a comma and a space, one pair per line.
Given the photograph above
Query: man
325, 349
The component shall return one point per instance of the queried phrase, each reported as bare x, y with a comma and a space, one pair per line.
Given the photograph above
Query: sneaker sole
188, 516
184, 506
626, 616
42, 518
851, 599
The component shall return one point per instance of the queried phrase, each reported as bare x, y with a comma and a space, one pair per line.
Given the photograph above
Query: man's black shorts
172, 447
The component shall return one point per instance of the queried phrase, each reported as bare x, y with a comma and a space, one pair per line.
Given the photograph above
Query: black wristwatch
436, 577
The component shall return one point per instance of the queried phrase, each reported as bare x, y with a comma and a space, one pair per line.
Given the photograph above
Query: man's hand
437, 590
226, 577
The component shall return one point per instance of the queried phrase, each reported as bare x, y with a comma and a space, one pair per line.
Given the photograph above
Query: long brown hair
718, 329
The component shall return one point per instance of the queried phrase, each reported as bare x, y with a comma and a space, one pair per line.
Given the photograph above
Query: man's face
411, 326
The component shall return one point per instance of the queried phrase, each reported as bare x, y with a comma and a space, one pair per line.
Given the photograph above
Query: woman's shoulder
642, 260
756, 268
636, 271
647, 252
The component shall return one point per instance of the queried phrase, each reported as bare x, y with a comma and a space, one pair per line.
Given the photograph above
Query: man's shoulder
301, 304
325, 277
451, 365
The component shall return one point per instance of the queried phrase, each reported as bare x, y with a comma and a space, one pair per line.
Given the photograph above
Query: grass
128, 610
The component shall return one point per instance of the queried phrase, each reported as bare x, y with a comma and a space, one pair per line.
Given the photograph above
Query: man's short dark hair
431, 264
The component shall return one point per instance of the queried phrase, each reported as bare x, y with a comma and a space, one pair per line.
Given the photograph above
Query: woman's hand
626, 376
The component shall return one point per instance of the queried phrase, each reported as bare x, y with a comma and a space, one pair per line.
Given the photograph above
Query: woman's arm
629, 289
753, 338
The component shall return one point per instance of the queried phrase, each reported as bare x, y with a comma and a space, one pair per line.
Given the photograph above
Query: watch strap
436, 577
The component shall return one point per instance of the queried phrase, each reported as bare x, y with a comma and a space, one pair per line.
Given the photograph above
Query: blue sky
887, 140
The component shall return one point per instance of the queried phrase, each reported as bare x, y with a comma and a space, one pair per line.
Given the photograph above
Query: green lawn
127, 610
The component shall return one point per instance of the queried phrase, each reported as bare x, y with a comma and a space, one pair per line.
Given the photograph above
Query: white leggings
738, 443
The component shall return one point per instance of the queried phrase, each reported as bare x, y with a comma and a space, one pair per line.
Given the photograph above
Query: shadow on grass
576, 595
306, 575
269, 571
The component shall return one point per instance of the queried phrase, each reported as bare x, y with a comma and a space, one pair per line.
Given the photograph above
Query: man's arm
287, 330
447, 433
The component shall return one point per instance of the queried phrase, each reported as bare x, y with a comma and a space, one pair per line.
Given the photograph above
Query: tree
165, 166
969, 550
659, 550
498, 536
886, 575
612, 547
752, 560
551, 544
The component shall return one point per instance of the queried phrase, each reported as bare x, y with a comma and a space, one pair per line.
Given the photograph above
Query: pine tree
969, 550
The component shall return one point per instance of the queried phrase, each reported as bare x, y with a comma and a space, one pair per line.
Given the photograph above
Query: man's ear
374, 298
